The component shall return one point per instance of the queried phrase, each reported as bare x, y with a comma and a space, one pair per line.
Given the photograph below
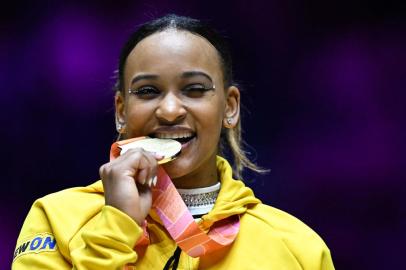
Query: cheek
138, 118
212, 107
210, 118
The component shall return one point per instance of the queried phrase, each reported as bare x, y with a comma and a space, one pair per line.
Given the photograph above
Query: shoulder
68, 208
59, 216
287, 234
282, 225
69, 199
62, 213
279, 221
70, 202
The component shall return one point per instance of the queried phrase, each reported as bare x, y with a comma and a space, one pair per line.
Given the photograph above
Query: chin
177, 168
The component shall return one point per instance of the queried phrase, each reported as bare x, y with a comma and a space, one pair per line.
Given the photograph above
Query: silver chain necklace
200, 196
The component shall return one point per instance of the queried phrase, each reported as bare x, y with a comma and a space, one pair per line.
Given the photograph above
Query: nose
171, 109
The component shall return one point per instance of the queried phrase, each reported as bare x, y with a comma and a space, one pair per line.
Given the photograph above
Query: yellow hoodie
73, 229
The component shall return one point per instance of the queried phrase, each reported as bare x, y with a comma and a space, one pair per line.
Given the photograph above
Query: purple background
324, 91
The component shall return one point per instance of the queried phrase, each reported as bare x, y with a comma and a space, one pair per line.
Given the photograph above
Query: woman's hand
126, 182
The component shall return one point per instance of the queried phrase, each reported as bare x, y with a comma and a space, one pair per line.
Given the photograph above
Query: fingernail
143, 181
154, 180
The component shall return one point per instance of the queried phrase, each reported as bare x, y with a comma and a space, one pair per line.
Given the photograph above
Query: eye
196, 90
146, 92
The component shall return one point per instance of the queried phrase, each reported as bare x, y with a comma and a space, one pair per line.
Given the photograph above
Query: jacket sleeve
109, 245
106, 244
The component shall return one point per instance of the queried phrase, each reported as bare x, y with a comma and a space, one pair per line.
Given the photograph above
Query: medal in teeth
167, 148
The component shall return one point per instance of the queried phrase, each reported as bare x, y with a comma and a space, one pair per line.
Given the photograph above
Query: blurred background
324, 108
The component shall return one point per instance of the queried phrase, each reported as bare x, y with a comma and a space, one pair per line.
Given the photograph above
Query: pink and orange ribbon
178, 221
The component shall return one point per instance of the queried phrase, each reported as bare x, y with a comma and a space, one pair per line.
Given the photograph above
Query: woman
175, 82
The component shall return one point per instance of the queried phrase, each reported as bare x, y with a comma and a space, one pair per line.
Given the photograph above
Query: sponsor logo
36, 244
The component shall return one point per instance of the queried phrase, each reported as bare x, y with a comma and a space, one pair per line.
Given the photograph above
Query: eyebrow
144, 77
189, 74
186, 74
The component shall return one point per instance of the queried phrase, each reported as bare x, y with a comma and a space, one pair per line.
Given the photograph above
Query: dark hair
230, 138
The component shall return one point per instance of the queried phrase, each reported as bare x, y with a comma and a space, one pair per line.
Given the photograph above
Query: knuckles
132, 159
106, 170
110, 170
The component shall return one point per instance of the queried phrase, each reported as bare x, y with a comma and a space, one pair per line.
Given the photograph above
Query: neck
201, 178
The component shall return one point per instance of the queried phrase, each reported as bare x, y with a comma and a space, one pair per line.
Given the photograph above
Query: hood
234, 197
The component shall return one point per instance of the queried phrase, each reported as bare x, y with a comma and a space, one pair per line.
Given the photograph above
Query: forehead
173, 51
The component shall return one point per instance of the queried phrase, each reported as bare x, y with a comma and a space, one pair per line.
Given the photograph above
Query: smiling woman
174, 85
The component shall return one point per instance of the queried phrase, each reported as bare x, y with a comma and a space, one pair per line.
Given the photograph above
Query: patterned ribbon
178, 221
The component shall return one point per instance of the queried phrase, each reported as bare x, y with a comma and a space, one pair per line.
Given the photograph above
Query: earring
228, 122
120, 126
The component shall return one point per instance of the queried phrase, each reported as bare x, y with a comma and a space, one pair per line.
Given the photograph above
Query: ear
232, 111
119, 101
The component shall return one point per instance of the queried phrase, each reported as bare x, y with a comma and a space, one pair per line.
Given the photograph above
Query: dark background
324, 91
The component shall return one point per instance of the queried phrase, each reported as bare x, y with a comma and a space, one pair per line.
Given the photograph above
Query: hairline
172, 27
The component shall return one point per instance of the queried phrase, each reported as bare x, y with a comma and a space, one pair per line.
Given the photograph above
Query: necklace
200, 200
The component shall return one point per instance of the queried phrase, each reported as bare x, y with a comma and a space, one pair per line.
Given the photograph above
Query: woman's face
177, 91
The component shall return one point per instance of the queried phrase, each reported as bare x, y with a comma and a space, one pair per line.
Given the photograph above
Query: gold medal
167, 148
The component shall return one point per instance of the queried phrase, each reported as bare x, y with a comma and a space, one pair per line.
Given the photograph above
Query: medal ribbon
178, 221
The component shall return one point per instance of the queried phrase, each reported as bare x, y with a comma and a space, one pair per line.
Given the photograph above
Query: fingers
138, 164
152, 172
142, 169
127, 182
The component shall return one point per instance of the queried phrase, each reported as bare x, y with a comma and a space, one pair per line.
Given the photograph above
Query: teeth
173, 135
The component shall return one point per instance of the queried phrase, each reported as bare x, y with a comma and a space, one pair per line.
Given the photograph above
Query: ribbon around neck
176, 218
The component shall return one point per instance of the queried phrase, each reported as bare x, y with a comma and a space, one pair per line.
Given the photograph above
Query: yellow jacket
73, 229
